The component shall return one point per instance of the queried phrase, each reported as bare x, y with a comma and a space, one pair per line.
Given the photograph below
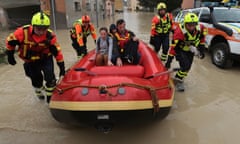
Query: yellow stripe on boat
111, 105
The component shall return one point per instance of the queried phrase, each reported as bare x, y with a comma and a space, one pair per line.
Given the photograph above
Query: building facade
14, 13
63, 13
67, 11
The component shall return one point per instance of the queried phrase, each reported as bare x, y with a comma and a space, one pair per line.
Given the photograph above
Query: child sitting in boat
104, 48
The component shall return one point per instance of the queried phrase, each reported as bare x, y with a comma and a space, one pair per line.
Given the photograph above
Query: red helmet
85, 18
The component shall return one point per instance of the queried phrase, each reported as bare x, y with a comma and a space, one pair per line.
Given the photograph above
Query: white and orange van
223, 39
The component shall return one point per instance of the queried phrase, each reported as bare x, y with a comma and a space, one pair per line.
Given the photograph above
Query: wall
71, 13
87, 8
21, 15
187, 4
60, 14
3, 19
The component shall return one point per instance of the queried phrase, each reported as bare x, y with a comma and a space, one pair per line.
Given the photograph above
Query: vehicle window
196, 12
208, 4
205, 12
205, 16
227, 15
180, 16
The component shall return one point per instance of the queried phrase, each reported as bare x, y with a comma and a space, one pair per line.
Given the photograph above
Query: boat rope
105, 88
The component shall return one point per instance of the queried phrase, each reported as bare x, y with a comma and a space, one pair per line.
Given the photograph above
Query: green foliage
171, 4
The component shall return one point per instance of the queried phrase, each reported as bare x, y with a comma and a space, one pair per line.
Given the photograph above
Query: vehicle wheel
220, 56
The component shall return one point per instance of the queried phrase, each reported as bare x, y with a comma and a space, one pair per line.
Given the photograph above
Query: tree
171, 4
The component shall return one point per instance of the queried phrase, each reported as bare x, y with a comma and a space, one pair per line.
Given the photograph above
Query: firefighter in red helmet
37, 45
82, 28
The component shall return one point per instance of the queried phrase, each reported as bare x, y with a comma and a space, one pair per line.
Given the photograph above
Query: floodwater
208, 112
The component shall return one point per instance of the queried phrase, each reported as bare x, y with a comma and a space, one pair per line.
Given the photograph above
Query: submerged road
208, 112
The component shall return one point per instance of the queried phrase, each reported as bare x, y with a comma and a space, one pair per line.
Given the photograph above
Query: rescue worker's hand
109, 63
201, 49
119, 62
11, 59
194, 50
82, 47
152, 41
61, 66
135, 39
201, 55
169, 61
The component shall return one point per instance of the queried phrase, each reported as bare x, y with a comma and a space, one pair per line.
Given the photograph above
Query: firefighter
161, 27
37, 45
82, 28
127, 45
188, 40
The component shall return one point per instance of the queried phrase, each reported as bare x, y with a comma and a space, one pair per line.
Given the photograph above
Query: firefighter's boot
39, 93
179, 85
49, 91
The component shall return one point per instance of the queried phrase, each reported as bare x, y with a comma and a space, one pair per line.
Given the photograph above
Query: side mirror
205, 18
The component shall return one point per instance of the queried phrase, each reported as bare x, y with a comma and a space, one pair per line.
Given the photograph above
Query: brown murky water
208, 112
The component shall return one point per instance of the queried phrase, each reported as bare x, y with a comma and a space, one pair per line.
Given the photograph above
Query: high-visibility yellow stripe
113, 105
35, 57
180, 74
49, 88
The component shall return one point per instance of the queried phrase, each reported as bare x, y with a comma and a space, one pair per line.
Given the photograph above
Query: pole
96, 12
113, 8
53, 15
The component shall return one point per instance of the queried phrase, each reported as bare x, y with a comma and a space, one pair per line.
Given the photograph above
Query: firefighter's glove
61, 66
201, 49
169, 61
152, 40
82, 47
11, 59
194, 50
201, 55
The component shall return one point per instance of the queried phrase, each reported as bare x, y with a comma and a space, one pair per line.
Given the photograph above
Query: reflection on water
207, 112
138, 22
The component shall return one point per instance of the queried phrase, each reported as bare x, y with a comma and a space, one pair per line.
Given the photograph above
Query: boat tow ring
102, 89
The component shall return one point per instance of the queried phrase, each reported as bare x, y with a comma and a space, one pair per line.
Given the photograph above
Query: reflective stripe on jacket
161, 25
122, 39
79, 32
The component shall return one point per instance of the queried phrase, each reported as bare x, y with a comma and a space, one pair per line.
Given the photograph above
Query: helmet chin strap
161, 15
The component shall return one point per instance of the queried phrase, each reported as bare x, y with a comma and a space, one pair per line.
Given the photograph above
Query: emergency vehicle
223, 38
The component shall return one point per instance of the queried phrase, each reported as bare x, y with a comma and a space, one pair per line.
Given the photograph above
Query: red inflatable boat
90, 93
